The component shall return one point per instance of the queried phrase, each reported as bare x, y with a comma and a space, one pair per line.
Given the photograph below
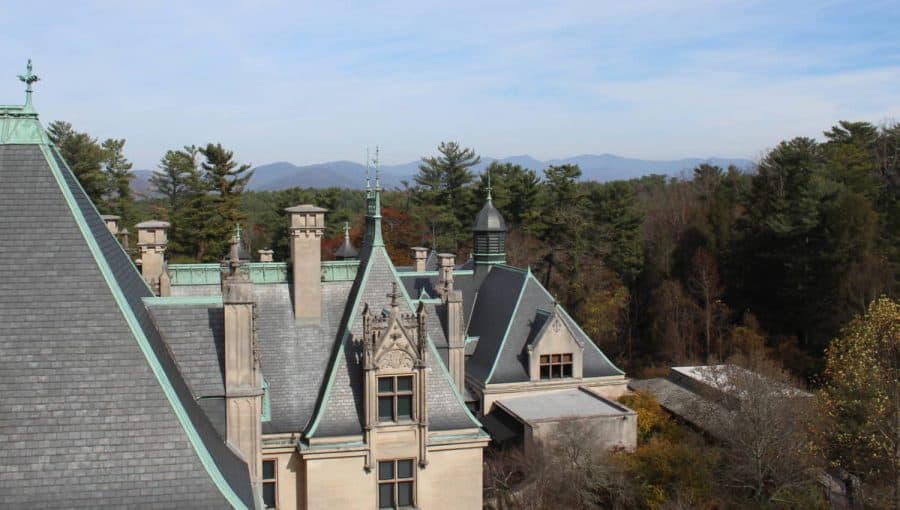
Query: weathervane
28, 78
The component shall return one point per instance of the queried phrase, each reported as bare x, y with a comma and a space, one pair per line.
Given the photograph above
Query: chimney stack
152, 240
307, 228
420, 255
112, 223
446, 261
265, 255
243, 385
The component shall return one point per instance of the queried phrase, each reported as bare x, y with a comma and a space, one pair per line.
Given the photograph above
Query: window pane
404, 384
405, 494
385, 408
386, 470
385, 384
556, 371
386, 495
545, 372
567, 370
269, 495
567, 357
556, 358
404, 407
268, 469
404, 469
545, 358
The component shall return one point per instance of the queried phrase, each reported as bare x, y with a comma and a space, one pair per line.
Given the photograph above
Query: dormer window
395, 398
556, 366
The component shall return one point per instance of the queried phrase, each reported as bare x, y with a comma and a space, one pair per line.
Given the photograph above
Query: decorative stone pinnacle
237, 232
28, 78
394, 295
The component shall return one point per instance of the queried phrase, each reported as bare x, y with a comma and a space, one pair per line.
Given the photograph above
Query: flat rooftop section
554, 405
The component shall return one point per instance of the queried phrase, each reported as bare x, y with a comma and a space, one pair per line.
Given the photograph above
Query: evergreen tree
120, 198
442, 188
176, 169
515, 193
85, 157
225, 179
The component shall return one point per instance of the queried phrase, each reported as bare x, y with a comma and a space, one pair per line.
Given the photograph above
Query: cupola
489, 233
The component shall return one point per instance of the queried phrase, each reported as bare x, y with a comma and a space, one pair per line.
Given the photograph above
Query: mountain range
347, 174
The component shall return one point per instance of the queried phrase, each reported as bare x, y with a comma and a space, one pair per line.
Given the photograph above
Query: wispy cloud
317, 81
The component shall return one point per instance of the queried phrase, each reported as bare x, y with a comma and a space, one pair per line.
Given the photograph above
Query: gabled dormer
554, 350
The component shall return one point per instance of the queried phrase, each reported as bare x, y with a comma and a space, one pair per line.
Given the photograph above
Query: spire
489, 188
373, 204
368, 157
28, 78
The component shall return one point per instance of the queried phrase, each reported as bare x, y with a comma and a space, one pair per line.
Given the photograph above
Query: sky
309, 82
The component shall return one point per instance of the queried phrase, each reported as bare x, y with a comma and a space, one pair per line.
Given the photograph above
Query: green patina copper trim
470, 339
456, 272
489, 258
564, 312
20, 124
260, 272
428, 301
339, 270
195, 274
183, 300
266, 402
180, 412
512, 317
268, 272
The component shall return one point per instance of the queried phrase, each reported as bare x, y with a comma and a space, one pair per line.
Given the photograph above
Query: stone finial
266, 255
152, 241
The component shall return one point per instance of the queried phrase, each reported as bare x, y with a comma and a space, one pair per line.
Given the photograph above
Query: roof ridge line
206, 460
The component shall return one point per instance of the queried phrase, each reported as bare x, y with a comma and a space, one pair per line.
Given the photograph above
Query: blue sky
310, 82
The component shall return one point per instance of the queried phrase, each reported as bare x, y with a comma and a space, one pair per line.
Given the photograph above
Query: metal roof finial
489, 188
367, 168
377, 162
28, 78
347, 231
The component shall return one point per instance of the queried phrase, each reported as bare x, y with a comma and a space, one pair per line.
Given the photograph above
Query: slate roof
341, 408
489, 219
505, 308
93, 410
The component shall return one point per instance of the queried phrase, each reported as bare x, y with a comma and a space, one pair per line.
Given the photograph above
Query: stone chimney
112, 223
446, 261
152, 240
307, 228
265, 255
456, 338
420, 256
243, 385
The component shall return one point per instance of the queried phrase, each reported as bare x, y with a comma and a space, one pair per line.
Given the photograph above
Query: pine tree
442, 189
225, 179
85, 157
120, 198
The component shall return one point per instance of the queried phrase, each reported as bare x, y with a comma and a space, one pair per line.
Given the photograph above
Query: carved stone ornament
557, 324
396, 360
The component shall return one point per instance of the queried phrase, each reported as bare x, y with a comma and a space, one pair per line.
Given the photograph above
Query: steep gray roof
93, 410
489, 219
492, 312
512, 363
341, 408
